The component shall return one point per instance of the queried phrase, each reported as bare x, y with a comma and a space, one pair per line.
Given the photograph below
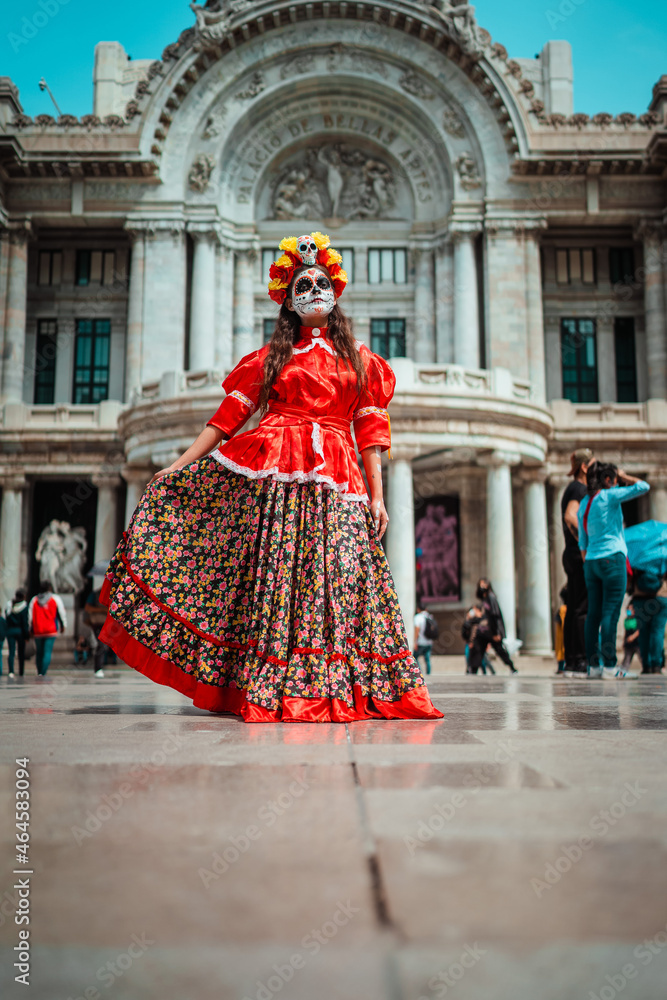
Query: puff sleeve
371, 417
243, 386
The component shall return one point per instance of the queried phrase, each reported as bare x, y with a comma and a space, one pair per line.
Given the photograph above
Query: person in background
18, 630
3, 636
651, 609
559, 640
630, 637
477, 631
577, 602
605, 552
94, 615
81, 649
423, 644
46, 617
487, 597
486, 662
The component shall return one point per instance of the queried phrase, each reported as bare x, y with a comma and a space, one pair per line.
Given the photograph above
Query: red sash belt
296, 414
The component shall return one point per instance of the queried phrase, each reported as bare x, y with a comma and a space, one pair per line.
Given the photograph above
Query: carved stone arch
496, 79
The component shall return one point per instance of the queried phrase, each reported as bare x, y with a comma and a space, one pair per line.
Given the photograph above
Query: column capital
15, 481
20, 232
105, 480
135, 474
516, 226
464, 229
153, 228
496, 459
649, 231
529, 474
204, 232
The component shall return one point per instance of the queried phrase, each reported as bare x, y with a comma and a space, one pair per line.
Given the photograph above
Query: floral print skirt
267, 599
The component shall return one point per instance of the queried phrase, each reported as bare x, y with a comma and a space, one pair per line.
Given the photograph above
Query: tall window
91, 360
45, 361
575, 267
268, 257
95, 267
626, 359
579, 354
269, 326
50, 267
388, 337
347, 253
390, 265
621, 264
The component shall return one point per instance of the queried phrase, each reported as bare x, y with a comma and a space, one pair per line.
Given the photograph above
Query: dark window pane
621, 264
269, 326
579, 360
83, 267
626, 360
46, 350
91, 354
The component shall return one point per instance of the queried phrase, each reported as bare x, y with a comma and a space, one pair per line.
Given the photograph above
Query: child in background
630, 635
559, 632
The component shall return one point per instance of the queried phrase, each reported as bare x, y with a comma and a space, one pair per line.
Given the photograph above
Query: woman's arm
209, 439
631, 488
373, 466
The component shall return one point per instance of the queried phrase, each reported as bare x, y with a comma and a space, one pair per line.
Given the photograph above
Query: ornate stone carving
214, 20
453, 125
335, 180
200, 172
215, 122
340, 55
61, 553
413, 84
255, 87
90, 121
302, 63
468, 172
461, 24
45, 120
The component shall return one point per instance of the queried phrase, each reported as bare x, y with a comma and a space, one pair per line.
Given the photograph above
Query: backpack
431, 630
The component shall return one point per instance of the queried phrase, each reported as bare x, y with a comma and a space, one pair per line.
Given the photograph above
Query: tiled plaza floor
515, 850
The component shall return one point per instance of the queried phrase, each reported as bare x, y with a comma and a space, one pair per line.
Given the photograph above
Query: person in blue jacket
604, 551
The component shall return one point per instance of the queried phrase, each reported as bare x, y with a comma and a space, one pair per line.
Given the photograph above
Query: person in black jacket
487, 597
18, 630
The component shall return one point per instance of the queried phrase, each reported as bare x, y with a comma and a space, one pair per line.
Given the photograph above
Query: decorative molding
413, 84
254, 88
468, 171
199, 175
453, 125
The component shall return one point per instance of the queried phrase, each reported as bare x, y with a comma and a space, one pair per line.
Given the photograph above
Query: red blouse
305, 434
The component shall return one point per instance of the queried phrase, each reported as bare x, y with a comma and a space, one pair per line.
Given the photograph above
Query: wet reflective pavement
515, 849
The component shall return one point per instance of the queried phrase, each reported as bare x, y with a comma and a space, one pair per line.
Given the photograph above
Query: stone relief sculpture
349, 55
213, 20
459, 17
255, 87
214, 122
468, 172
61, 553
413, 84
335, 180
298, 65
453, 125
200, 172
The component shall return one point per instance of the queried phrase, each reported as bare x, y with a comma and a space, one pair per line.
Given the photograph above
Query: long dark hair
287, 333
598, 473
481, 594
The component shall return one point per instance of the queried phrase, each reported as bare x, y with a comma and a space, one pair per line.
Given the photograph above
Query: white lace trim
288, 477
369, 409
237, 394
314, 342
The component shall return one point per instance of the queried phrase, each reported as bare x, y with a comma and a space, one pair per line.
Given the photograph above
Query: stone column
424, 304
444, 304
202, 301
136, 480
135, 312
500, 568
106, 535
658, 499
535, 603
535, 316
4, 273
400, 543
606, 358
466, 296
244, 304
163, 345
558, 579
10, 534
224, 308
654, 308
13, 372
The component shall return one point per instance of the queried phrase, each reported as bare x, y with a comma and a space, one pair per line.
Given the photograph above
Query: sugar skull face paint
313, 295
306, 247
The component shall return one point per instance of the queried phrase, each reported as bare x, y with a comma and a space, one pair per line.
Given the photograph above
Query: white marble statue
61, 553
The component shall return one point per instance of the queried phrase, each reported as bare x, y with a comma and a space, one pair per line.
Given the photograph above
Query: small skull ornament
306, 249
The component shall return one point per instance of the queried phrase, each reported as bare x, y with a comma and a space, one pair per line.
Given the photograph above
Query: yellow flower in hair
276, 284
289, 243
321, 241
284, 261
333, 257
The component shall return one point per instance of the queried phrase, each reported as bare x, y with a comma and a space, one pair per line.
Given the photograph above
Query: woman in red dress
251, 577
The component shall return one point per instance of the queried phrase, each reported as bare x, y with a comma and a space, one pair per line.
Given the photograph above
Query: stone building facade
506, 254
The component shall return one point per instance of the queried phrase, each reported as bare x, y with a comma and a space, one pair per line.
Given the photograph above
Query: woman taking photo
252, 578
604, 551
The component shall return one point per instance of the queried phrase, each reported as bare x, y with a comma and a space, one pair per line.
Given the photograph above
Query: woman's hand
162, 473
626, 480
380, 518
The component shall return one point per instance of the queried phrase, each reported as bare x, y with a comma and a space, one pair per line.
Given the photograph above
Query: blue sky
619, 47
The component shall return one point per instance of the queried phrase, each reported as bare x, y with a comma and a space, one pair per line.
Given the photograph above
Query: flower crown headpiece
300, 251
